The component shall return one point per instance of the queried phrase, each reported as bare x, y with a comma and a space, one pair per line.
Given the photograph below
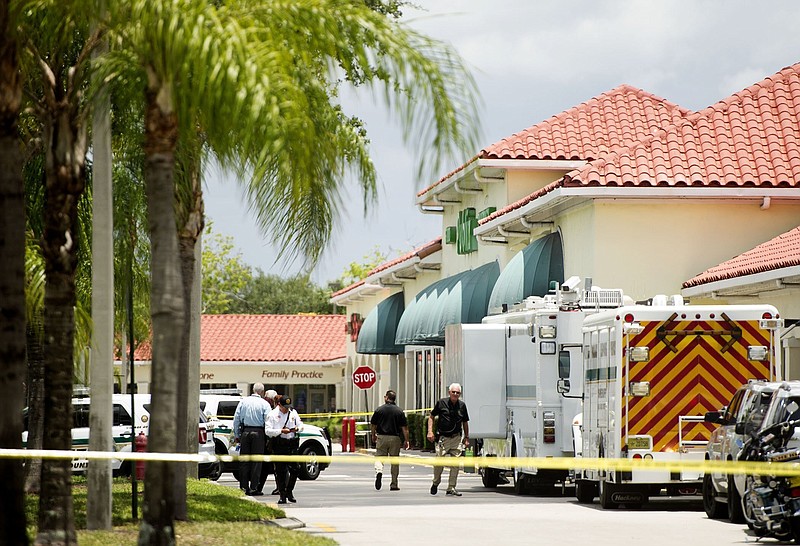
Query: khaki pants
447, 447
388, 446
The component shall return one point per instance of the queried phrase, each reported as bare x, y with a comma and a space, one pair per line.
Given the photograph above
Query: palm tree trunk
189, 232
12, 286
65, 176
35, 392
98, 507
166, 304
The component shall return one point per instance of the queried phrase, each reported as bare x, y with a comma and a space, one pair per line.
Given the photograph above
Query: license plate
639, 442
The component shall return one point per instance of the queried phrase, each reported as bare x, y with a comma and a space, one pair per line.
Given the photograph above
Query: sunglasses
455, 392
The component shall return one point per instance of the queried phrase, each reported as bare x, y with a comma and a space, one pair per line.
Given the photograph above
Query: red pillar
352, 435
345, 433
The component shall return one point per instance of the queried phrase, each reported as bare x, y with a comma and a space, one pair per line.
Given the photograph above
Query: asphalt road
344, 505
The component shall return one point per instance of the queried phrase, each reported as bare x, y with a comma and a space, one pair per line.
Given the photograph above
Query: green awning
529, 272
458, 299
376, 336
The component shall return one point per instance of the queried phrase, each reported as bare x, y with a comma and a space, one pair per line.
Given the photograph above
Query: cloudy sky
533, 59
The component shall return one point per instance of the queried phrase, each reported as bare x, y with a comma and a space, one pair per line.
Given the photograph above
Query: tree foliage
225, 275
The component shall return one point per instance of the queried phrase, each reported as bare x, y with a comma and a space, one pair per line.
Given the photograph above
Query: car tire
735, 511
714, 508
310, 470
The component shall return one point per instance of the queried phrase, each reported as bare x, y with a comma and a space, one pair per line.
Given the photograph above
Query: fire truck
651, 372
508, 368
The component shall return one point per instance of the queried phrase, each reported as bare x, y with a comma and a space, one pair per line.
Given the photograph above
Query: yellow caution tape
330, 415
325, 415
559, 463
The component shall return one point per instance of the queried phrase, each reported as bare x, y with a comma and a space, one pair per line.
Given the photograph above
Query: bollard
352, 435
141, 446
345, 433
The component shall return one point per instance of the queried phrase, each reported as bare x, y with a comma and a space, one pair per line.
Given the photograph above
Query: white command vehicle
508, 367
722, 493
220, 409
123, 415
652, 372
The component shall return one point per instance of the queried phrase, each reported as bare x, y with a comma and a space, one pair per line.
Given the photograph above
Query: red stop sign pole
364, 377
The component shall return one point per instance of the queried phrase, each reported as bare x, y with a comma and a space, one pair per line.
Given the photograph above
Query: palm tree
12, 280
59, 44
257, 79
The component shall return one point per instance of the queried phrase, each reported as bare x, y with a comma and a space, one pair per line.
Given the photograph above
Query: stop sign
364, 377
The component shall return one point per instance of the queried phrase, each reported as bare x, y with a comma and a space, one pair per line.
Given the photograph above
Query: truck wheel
714, 509
585, 491
490, 477
606, 490
735, 512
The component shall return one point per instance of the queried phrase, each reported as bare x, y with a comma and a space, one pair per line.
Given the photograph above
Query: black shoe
282, 500
434, 489
378, 478
246, 491
276, 491
453, 493
256, 493
290, 498
394, 488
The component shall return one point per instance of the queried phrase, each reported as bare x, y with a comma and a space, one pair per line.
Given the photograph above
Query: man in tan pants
387, 424
453, 420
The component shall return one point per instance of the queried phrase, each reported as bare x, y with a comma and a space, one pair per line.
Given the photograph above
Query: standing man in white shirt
283, 424
248, 428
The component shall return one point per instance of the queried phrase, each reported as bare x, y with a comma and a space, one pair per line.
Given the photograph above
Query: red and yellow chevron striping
694, 367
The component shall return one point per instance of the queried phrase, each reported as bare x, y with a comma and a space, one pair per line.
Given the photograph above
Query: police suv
123, 430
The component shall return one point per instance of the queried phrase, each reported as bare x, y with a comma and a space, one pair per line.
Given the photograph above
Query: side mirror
739, 428
713, 417
562, 386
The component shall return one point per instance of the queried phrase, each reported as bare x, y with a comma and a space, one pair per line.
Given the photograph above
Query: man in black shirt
452, 419
389, 427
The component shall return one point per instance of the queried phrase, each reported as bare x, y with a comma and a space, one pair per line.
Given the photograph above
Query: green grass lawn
217, 516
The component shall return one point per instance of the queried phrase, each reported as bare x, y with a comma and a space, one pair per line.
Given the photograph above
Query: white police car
123, 415
220, 408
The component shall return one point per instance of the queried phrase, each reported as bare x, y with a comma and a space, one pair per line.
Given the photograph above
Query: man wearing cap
248, 428
283, 424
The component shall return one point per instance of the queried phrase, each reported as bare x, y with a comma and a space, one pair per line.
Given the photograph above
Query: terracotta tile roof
347, 288
618, 117
750, 139
615, 118
268, 338
782, 251
422, 251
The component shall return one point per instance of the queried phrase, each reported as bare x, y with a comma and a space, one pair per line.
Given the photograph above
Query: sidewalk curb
286, 523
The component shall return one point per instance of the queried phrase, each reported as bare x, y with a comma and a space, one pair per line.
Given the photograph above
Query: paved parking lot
344, 505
